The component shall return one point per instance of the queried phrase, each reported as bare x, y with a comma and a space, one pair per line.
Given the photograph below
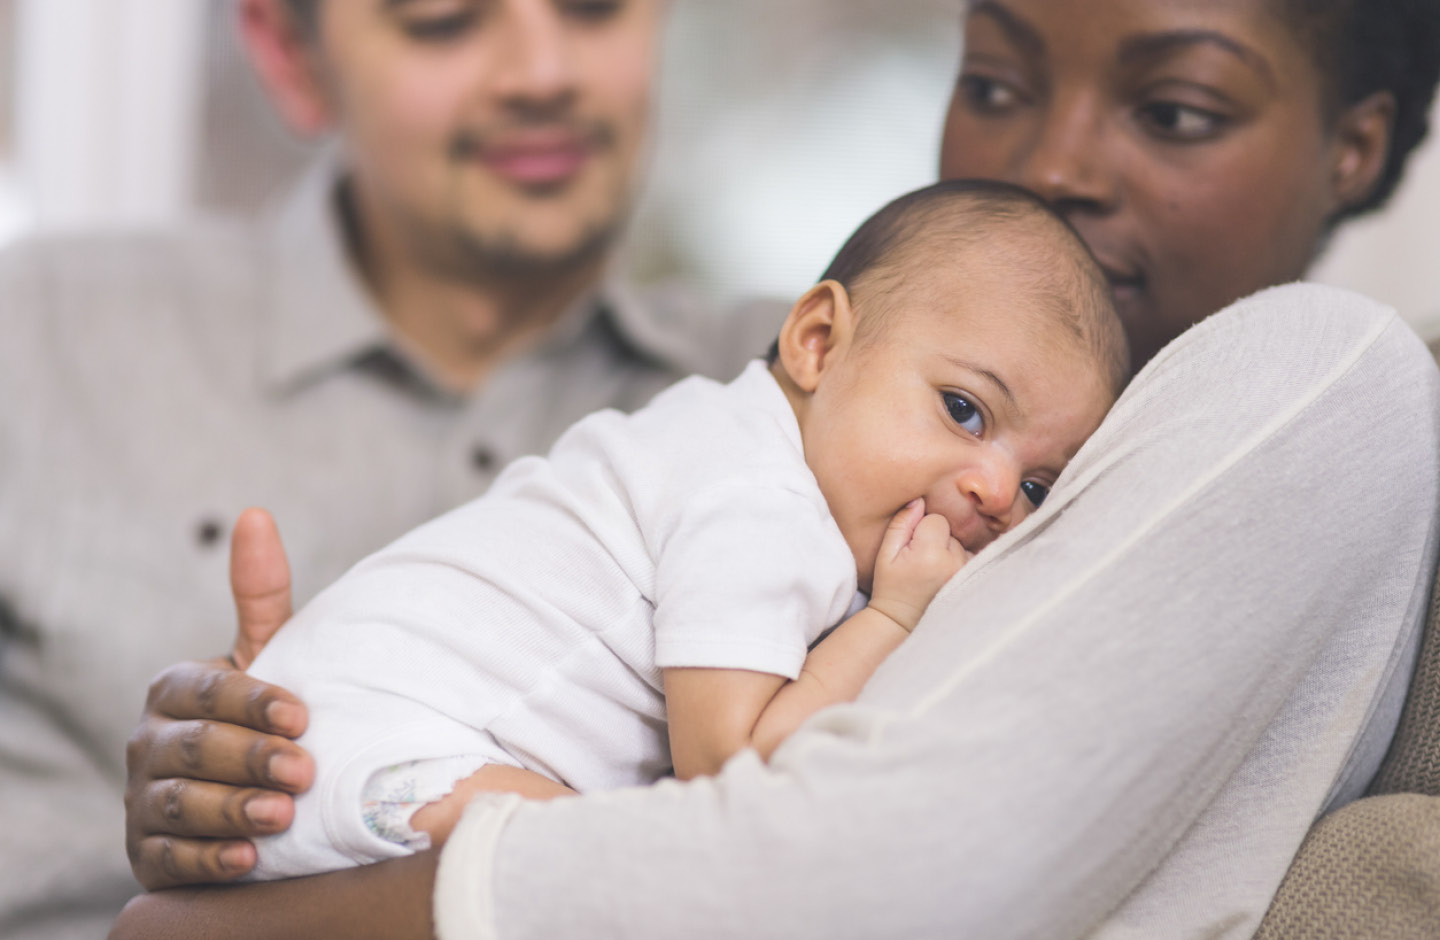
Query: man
430, 303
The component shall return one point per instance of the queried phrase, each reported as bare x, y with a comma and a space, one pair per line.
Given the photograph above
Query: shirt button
208, 533
482, 459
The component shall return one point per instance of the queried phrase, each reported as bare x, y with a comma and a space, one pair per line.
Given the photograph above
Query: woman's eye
987, 95
1035, 492
1181, 121
964, 413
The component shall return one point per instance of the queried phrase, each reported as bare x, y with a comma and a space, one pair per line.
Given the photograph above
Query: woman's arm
386, 901
1122, 719
714, 713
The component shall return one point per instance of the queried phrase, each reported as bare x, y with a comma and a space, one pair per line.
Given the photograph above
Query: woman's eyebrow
1156, 45
1022, 34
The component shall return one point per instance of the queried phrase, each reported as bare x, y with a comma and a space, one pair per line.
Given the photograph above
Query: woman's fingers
260, 582
216, 691
199, 809
205, 767
163, 861
219, 753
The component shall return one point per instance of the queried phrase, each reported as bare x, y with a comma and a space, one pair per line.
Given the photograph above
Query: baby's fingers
932, 534
901, 529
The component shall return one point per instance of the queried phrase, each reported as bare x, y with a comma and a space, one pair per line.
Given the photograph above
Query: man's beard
503, 252
505, 255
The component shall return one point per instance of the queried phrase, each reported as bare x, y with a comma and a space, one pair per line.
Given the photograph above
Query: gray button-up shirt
151, 387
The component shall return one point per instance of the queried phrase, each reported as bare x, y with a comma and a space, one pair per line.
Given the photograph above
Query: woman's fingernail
287, 769
235, 858
282, 714
264, 810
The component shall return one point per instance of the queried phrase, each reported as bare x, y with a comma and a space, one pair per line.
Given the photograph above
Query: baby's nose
993, 487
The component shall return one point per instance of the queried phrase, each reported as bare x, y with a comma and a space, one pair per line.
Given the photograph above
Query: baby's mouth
972, 534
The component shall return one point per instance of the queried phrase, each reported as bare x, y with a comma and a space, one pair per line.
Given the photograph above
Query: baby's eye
964, 413
1035, 492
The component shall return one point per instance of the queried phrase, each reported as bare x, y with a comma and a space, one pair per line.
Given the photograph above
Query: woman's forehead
1255, 31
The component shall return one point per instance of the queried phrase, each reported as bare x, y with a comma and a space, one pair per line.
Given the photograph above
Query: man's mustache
472, 142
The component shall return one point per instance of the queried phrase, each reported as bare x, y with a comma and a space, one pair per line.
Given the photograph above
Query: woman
1137, 758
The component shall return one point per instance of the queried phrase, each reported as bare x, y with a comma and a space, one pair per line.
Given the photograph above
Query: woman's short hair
1365, 46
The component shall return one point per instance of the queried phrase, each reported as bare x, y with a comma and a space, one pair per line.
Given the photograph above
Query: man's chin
528, 254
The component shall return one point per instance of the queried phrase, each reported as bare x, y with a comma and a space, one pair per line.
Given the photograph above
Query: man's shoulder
109, 303
697, 334
101, 263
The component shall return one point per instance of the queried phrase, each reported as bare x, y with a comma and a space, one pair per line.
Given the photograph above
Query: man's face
970, 395
490, 133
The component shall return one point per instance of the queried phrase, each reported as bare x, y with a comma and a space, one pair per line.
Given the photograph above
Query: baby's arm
714, 713
438, 818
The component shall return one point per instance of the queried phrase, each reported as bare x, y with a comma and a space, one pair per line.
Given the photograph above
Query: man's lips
540, 158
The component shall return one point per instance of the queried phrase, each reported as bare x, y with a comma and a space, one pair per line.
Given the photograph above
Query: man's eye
592, 11
1181, 121
964, 413
439, 28
1035, 492
987, 95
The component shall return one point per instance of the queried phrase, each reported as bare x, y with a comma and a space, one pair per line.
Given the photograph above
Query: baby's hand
917, 556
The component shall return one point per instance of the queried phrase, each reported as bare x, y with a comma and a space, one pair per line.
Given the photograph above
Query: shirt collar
320, 315
322, 319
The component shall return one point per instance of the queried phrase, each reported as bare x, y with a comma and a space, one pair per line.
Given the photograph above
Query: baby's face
966, 400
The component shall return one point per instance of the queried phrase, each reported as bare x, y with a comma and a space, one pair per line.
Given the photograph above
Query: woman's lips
1126, 288
1122, 280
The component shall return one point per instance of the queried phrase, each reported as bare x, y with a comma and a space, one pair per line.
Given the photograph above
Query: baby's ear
820, 325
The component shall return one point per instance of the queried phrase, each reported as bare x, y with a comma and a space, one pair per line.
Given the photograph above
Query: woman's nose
1067, 160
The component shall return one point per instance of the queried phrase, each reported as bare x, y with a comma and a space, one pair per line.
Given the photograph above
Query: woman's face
1185, 140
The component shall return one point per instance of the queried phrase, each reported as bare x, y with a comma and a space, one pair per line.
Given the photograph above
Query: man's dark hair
921, 230
1361, 47
306, 13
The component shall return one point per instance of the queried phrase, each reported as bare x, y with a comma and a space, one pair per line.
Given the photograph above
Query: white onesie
530, 627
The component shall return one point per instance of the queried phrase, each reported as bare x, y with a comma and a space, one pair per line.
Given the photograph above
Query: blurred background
783, 123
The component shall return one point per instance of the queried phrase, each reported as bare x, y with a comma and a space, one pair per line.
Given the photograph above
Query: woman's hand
213, 762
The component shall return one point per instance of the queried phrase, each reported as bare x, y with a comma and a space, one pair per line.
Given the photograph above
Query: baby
656, 593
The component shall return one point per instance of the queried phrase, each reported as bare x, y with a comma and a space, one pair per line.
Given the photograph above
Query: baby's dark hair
1364, 46
945, 220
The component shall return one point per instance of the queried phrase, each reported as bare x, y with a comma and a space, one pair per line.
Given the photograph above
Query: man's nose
1067, 160
533, 61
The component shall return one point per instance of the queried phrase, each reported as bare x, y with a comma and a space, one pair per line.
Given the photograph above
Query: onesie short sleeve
749, 577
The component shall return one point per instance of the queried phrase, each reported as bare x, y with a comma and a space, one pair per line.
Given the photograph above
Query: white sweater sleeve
1119, 721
